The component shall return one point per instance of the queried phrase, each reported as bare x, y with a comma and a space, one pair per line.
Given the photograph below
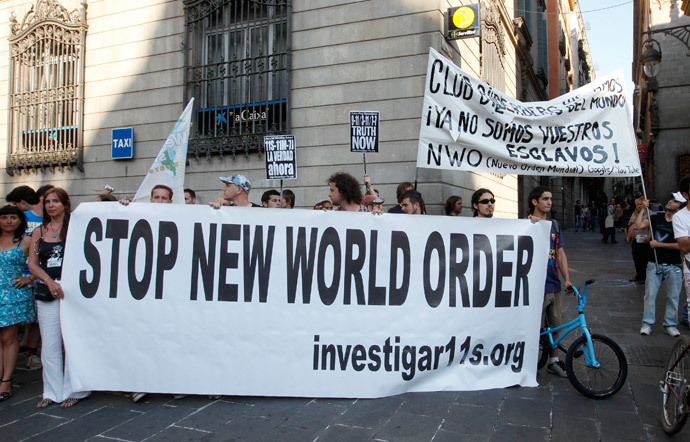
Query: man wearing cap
665, 266
373, 203
681, 230
236, 191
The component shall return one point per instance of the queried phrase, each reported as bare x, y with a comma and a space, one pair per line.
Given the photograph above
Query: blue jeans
673, 275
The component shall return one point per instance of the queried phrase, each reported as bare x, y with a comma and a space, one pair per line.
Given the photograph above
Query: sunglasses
487, 201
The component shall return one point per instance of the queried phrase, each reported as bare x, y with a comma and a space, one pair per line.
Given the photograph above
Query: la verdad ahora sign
241, 301
468, 125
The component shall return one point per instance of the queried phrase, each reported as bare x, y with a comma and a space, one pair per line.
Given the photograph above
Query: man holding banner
552, 311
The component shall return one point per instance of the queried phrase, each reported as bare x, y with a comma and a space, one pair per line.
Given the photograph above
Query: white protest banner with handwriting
468, 125
272, 302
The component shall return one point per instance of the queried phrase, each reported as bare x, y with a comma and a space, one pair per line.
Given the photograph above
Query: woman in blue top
16, 305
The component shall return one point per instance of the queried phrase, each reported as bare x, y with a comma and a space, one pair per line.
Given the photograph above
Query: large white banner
271, 302
468, 125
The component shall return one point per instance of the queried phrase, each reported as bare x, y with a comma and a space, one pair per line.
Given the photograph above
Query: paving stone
619, 425
244, 428
179, 434
148, 424
285, 433
213, 416
470, 419
616, 403
530, 412
315, 415
345, 433
408, 427
512, 433
542, 392
88, 425
450, 436
488, 398
574, 428
370, 413
428, 404
31, 426
574, 404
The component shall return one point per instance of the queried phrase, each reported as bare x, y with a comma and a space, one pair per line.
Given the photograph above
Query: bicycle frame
580, 322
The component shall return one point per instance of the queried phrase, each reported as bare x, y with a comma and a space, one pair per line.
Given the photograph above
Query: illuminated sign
462, 22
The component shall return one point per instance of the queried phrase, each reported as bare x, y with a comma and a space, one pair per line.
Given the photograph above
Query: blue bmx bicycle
595, 364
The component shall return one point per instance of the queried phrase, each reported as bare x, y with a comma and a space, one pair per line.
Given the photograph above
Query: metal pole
364, 157
649, 217
281, 194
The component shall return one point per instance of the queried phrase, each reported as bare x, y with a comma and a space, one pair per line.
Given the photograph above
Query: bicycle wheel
593, 382
544, 346
672, 388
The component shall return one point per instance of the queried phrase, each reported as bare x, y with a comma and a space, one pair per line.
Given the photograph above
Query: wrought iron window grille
237, 67
46, 88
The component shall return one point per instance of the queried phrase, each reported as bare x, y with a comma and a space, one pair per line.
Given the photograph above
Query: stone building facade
254, 68
662, 102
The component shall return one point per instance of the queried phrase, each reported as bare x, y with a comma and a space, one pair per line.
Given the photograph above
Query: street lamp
651, 58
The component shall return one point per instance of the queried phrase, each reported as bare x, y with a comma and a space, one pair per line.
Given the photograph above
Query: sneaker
33, 362
136, 397
179, 396
671, 330
645, 330
557, 368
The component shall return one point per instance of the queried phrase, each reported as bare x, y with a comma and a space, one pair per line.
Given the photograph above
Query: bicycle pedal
674, 379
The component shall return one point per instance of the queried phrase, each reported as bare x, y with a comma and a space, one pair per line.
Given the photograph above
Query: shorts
552, 310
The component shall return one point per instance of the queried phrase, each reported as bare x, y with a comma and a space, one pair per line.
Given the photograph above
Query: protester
235, 192
552, 310
189, 196
31, 203
578, 215
638, 237
367, 185
453, 206
666, 266
681, 230
585, 218
609, 223
16, 303
412, 203
373, 203
402, 188
271, 199
288, 199
483, 203
323, 205
593, 217
45, 262
106, 197
345, 192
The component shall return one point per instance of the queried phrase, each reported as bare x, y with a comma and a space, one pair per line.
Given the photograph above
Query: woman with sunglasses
483, 203
16, 305
45, 263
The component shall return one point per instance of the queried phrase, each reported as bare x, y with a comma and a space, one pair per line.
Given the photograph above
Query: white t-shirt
681, 226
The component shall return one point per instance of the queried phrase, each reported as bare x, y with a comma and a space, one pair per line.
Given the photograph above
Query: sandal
6, 394
69, 402
44, 403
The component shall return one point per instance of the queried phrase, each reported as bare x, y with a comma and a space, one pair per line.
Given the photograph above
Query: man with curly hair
345, 192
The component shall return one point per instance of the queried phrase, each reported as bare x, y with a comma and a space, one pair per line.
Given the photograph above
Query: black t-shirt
396, 209
663, 232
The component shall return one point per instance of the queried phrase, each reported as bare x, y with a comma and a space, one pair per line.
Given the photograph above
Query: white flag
169, 166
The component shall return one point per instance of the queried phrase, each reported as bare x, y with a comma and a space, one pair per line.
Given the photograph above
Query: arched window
46, 88
237, 67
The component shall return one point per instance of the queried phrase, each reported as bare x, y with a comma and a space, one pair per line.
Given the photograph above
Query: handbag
41, 293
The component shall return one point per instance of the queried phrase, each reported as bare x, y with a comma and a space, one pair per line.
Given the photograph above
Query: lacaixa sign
462, 22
